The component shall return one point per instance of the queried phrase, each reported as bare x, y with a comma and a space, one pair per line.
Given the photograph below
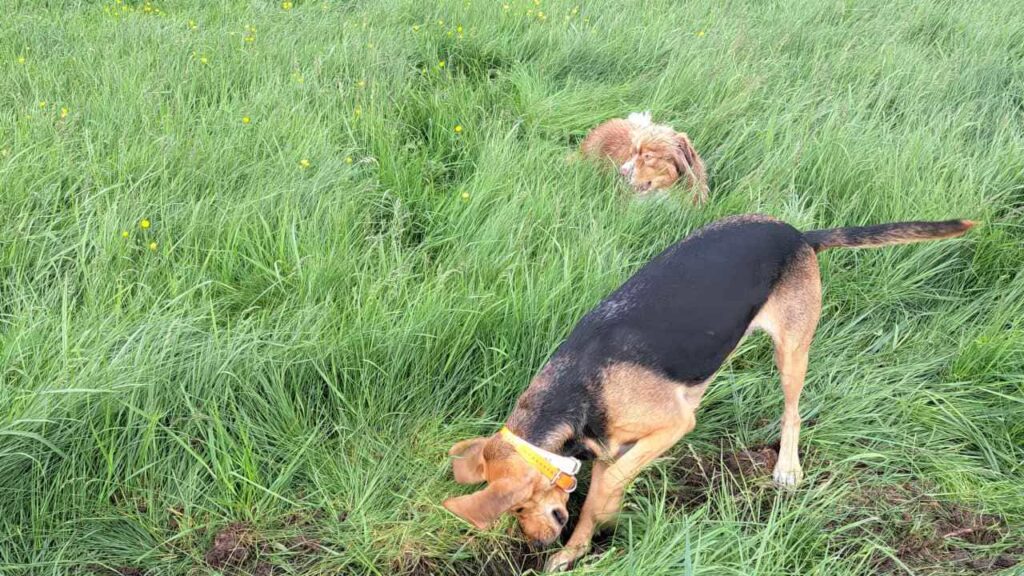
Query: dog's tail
885, 234
640, 119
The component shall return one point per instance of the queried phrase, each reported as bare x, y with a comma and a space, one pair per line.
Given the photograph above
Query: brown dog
626, 383
652, 156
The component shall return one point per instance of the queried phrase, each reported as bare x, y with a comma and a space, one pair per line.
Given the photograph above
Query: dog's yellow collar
542, 461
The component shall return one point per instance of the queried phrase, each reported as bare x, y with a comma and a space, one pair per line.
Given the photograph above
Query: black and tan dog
625, 385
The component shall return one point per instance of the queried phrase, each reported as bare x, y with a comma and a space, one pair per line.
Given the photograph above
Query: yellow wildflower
304, 163
440, 22
42, 104
505, 7
458, 29
465, 195
361, 84
192, 25
21, 59
415, 27
700, 34
124, 233
348, 159
458, 128
246, 120
203, 60
144, 224
286, 5
63, 113
440, 64
152, 246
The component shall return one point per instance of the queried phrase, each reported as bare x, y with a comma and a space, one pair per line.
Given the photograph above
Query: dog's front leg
598, 500
607, 485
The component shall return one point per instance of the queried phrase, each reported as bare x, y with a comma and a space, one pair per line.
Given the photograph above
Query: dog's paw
787, 478
563, 560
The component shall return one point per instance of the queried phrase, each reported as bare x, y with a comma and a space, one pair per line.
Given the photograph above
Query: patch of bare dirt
231, 546
931, 535
240, 549
512, 560
694, 476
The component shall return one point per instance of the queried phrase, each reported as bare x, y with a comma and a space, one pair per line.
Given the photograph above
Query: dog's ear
689, 164
483, 507
468, 460
684, 155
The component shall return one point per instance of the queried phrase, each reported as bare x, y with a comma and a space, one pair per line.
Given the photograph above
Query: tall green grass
292, 341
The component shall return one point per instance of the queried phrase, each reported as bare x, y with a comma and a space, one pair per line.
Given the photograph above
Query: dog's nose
536, 545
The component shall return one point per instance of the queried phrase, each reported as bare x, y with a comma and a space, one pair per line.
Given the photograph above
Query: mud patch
928, 534
695, 476
231, 547
513, 559
239, 549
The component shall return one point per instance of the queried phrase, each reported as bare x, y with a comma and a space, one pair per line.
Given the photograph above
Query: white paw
787, 478
562, 560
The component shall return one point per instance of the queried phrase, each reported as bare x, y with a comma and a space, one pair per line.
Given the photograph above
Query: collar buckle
557, 480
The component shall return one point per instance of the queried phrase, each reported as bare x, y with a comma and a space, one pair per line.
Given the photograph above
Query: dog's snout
560, 516
537, 545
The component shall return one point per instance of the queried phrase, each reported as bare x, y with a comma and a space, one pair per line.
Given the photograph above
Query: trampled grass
364, 238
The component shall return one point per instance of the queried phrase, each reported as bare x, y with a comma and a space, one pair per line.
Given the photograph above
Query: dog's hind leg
790, 316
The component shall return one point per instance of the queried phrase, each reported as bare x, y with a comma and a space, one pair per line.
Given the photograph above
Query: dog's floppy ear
468, 460
483, 507
689, 164
684, 155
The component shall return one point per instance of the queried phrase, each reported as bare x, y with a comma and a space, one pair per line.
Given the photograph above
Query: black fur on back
680, 315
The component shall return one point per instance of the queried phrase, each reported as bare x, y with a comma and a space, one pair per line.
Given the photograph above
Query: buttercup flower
152, 246
700, 34
42, 104
465, 195
348, 159
286, 5
124, 233
458, 128
203, 60
415, 27
440, 64
304, 163
144, 224
63, 113
246, 120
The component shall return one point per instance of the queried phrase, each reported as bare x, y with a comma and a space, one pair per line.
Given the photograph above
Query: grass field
261, 264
